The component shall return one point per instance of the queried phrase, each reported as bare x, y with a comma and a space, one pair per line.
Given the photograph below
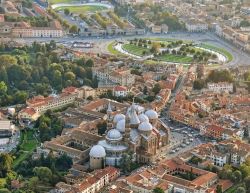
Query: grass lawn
176, 58
219, 50
82, 9
27, 146
29, 142
133, 49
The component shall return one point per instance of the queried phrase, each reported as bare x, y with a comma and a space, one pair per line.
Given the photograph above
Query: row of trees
100, 20
56, 16
116, 19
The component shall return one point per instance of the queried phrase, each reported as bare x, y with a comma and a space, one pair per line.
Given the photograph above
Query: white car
172, 151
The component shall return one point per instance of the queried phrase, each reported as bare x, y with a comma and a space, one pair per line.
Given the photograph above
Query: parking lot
182, 139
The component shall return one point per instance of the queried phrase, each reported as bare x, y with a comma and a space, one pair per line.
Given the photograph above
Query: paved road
240, 58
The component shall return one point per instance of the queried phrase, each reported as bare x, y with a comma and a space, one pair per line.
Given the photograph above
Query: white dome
120, 126
145, 126
142, 117
97, 151
114, 134
118, 117
151, 114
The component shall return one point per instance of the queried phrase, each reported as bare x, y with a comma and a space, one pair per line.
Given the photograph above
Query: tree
6, 162
247, 183
219, 189
155, 47
174, 52
69, 76
66, 11
102, 127
43, 173
245, 170
89, 63
198, 84
226, 172
3, 88
4, 190
57, 79
3, 75
20, 97
73, 29
33, 183
64, 162
236, 176
125, 163
7, 60
158, 190
156, 89
220, 76
240, 190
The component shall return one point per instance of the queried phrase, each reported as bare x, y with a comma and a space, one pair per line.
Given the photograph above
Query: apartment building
230, 151
40, 104
196, 26
92, 183
6, 128
24, 30
220, 87
118, 76
120, 91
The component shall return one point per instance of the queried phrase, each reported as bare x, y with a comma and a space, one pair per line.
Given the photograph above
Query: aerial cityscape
124, 96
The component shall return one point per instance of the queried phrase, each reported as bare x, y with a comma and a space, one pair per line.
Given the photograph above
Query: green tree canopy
43, 173
7, 60
3, 88
156, 89
158, 190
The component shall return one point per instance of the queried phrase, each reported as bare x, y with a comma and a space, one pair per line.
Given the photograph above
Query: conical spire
109, 110
134, 120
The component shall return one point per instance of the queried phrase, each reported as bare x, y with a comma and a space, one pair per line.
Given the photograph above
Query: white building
219, 159
196, 26
6, 128
120, 91
219, 30
220, 87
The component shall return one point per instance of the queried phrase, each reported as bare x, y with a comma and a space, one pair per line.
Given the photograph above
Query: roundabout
172, 51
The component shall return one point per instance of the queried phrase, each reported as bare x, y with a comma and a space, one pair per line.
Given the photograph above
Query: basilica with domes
138, 131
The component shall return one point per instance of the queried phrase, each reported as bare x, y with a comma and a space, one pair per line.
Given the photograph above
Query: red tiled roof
120, 88
29, 111
215, 127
